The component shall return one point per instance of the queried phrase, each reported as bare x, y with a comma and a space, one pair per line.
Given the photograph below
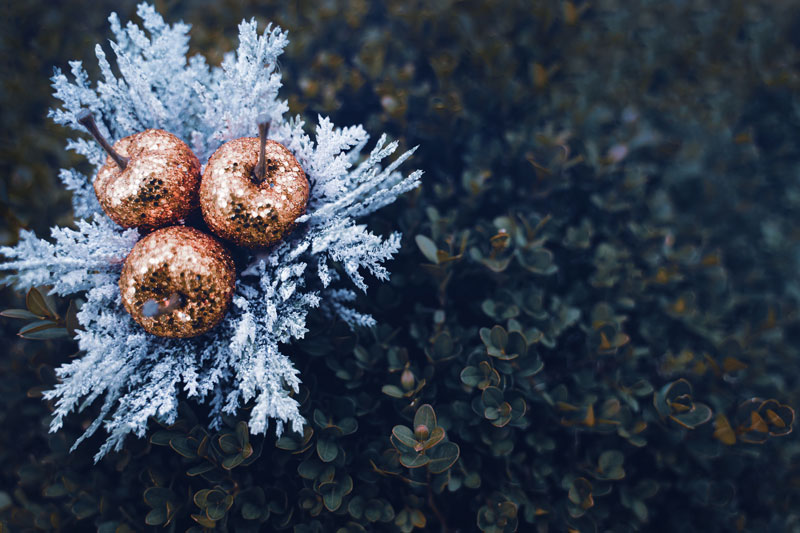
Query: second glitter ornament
253, 190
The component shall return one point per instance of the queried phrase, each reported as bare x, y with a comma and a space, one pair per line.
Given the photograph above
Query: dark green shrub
593, 323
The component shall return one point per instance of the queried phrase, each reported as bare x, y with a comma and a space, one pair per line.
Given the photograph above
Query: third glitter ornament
252, 191
177, 282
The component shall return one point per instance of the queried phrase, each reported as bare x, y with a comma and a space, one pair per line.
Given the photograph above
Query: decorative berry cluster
154, 238
179, 281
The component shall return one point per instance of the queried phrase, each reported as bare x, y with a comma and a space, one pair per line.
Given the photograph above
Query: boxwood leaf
232, 461
48, 334
428, 248
37, 304
202, 468
404, 435
251, 511
327, 449
410, 460
492, 397
184, 446
425, 416
19, 313
228, 443
393, 391
443, 457
156, 517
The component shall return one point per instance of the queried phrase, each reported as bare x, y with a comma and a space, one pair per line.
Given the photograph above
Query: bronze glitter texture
239, 208
185, 273
157, 188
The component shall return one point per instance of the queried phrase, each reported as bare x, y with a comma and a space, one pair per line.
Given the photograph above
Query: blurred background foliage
592, 325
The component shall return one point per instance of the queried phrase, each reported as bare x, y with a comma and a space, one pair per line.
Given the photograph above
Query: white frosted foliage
135, 376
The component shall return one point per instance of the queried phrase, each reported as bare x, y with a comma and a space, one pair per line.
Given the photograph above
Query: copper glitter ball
238, 208
177, 282
158, 187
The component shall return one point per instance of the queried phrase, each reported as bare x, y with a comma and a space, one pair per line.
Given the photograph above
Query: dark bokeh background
660, 137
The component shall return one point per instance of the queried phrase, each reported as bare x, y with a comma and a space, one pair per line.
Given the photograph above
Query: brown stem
153, 308
260, 172
86, 119
436, 511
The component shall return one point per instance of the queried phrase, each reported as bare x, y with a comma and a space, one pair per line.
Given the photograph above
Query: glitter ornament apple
149, 180
177, 282
253, 190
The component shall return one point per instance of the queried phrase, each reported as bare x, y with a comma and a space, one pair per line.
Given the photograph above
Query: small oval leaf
37, 304
428, 248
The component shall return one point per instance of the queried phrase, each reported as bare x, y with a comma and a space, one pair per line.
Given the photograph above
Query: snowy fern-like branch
133, 376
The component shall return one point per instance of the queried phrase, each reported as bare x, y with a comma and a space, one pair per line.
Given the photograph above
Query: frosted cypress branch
137, 376
78, 260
